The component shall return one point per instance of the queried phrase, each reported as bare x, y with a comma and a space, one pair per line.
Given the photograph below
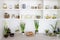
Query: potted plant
48, 16
54, 28
8, 31
5, 32
54, 16
36, 25
58, 30
11, 34
47, 31
22, 25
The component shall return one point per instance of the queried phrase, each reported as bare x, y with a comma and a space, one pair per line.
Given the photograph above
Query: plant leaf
52, 26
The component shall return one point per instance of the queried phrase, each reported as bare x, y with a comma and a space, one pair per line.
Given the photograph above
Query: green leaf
22, 25
54, 27
36, 24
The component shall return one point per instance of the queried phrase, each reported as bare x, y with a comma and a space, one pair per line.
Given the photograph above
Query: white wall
1, 24
50, 3
46, 24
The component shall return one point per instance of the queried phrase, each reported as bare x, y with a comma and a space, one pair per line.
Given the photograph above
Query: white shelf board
51, 0
10, 9
31, 19
51, 9
31, 0
10, 0
29, 9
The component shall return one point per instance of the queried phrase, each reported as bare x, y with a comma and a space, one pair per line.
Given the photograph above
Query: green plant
17, 30
50, 34
36, 23
54, 16
54, 27
22, 25
47, 31
5, 32
58, 31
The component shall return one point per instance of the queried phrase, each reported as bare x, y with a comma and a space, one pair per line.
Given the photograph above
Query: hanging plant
22, 25
36, 23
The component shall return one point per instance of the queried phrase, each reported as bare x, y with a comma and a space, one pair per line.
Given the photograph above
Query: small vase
22, 33
24, 6
36, 31
4, 6
54, 31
